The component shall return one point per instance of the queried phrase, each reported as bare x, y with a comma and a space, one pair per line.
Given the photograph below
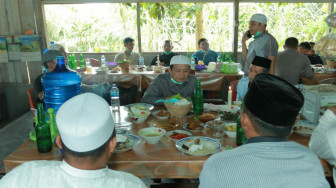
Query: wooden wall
17, 16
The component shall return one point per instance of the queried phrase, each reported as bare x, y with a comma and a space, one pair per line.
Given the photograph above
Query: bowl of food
139, 116
152, 135
161, 114
207, 116
179, 108
231, 130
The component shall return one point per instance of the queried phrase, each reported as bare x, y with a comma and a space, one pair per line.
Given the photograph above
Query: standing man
305, 48
166, 55
88, 139
267, 159
263, 45
177, 80
128, 54
205, 55
259, 65
290, 65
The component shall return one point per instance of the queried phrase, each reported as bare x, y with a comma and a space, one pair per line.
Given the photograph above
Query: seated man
323, 139
128, 54
177, 80
167, 54
259, 65
205, 54
290, 65
305, 48
59, 48
87, 146
312, 45
49, 62
267, 159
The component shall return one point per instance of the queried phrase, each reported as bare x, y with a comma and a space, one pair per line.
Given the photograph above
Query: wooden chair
30, 93
328, 81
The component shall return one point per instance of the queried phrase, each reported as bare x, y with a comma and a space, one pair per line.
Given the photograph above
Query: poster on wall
3, 50
30, 47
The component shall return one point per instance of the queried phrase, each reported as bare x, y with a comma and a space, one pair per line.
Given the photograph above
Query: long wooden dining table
161, 160
209, 81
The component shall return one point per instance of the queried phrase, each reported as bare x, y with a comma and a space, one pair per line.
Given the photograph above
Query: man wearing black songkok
258, 65
267, 159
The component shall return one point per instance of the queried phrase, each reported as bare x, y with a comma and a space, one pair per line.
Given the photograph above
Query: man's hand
245, 37
333, 108
161, 63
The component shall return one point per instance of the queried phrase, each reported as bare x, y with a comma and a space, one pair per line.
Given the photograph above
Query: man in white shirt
323, 139
87, 138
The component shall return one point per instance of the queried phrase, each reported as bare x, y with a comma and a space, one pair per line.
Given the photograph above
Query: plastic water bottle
60, 85
103, 61
141, 61
114, 93
192, 63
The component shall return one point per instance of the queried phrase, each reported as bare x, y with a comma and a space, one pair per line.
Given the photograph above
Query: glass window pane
305, 21
91, 27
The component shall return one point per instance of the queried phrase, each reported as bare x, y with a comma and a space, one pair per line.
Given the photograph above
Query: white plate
185, 127
210, 146
178, 131
133, 142
304, 128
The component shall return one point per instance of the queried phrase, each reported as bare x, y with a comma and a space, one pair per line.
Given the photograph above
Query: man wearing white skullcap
263, 45
177, 80
323, 138
87, 138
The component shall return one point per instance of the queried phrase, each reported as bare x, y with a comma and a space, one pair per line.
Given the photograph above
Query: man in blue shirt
205, 55
267, 159
259, 65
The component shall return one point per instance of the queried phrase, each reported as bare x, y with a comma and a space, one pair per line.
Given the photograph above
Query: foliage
93, 27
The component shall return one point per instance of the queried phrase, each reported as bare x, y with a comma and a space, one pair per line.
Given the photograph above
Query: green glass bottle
198, 98
228, 57
241, 138
232, 57
81, 61
74, 62
42, 129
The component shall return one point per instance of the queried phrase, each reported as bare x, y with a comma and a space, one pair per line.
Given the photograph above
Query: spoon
130, 110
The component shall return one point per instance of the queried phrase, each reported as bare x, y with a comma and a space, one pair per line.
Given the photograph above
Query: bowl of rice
179, 108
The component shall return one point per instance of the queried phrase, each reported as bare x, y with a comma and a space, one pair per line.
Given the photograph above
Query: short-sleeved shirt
264, 45
315, 59
133, 57
290, 65
210, 56
242, 88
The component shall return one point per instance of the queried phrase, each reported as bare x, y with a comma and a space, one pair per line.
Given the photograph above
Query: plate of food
126, 142
304, 128
194, 125
161, 114
207, 116
167, 124
198, 146
178, 135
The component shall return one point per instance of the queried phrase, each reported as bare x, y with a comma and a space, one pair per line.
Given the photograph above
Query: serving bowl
151, 135
178, 110
161, 114
139, 116
231, 130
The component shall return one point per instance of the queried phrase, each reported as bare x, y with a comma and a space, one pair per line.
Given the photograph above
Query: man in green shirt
128, 54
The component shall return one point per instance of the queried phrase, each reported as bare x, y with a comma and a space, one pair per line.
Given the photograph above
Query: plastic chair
328, 81
30, 93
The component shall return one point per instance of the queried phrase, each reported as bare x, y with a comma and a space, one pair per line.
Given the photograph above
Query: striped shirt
264, 45
264, 164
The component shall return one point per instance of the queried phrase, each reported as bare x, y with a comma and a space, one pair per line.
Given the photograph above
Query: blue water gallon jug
60, 85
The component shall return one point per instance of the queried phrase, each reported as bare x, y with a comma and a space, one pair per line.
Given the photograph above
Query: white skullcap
261, 18
85, 122
180, 60
55, 47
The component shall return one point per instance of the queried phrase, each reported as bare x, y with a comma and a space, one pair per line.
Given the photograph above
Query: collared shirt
264, 45
242, 88
264, 164
164, 58
210, 56
290, 65
323, 139
133, 57
264, 139
162, 87
315, 59
60, 174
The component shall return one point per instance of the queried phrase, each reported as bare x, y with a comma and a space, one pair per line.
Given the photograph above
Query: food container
231, 130
124, 67
178, 110
152, 135
161, 114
